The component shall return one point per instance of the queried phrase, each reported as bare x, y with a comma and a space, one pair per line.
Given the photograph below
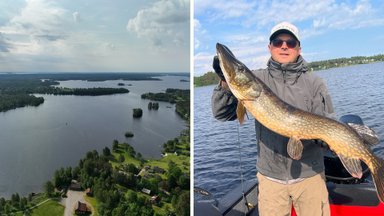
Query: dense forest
80, 91
16, 89
179, 96
210, 78
342, 62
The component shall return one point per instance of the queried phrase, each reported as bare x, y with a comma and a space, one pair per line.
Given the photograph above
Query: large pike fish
350, 142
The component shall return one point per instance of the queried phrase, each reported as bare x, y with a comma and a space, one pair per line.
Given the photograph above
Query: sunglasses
291, 43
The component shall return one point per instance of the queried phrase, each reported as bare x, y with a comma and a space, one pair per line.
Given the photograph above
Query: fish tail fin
378, 179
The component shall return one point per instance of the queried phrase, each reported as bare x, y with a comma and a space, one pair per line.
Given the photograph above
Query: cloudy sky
94, 36
328, 28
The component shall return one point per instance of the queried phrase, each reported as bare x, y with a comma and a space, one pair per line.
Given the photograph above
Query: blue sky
328, 28
94, 36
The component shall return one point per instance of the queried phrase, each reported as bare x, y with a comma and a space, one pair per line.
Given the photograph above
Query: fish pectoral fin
352, 165
240, 112
295, 148
367, 134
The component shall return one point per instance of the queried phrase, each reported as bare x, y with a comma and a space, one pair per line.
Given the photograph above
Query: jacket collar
287, 72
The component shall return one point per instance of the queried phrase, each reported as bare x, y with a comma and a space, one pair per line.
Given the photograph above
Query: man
283, 181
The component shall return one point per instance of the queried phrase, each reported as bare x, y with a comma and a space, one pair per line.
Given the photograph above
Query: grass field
48, 209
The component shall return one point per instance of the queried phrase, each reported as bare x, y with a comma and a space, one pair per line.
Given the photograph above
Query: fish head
239, 78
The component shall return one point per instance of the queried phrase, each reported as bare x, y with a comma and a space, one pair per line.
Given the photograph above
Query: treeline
342, 62
11, 101
80, 91
210, 78
179, 96
118, 190
16, 90
85, 76
175, 146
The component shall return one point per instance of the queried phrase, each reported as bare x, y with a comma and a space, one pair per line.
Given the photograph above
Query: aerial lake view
35, 141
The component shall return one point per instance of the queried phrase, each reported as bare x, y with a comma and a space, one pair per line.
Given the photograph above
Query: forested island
211, 78
179, 96
16, 90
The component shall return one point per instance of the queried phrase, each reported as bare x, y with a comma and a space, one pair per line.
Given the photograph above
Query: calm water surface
219, 147
35, 141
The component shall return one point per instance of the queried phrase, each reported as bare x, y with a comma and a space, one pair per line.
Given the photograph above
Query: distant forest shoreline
17, 89
211, 78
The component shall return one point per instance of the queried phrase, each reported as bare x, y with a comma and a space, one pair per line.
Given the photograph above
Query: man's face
284, 54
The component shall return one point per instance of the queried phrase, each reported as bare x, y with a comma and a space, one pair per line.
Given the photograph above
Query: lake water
220, 146
35, 141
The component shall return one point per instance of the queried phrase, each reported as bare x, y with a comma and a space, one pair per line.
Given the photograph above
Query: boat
348, 196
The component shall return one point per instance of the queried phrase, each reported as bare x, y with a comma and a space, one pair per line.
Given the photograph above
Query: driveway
70, 202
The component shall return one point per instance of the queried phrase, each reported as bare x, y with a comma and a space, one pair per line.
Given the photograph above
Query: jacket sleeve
223, 104
322, 103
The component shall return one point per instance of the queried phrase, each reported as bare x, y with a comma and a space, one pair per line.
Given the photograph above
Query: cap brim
280, 32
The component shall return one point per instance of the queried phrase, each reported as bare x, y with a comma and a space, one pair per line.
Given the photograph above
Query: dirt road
70, 202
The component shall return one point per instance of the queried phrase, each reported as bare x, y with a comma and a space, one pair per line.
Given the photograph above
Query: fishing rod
249, 206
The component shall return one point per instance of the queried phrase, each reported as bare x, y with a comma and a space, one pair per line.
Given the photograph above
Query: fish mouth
226, 57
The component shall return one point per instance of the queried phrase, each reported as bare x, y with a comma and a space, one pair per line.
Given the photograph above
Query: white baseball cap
284, 27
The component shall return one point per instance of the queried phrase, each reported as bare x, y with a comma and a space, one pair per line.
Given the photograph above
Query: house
82, 209
157, 169
89, 192
75, 185
155, 199
146, 191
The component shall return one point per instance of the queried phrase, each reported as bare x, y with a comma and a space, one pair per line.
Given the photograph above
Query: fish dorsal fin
295, 148
367, 134
352, 165
240, 112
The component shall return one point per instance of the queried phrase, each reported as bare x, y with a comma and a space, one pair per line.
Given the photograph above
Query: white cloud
38, 17
4, 45
38, 22
76, 17
165, 22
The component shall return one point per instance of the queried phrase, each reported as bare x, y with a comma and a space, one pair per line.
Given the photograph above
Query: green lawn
49, 208
94, 204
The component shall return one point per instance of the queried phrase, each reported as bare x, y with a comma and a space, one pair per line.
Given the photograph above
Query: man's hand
216, 67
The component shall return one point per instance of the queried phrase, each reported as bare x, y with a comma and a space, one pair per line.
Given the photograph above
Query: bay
35, 141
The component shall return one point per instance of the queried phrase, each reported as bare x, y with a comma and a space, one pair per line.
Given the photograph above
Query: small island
153, 105
137, 113
128, 134
178, 96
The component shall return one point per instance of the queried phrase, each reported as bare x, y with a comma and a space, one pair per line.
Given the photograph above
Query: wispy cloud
165, 22
4, 45
46, 35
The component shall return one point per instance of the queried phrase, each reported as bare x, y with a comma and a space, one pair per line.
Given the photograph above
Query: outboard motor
334, 169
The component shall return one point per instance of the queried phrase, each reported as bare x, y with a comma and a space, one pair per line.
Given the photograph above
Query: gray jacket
294, 85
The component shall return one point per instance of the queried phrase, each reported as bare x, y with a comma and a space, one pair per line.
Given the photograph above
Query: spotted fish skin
284, 119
